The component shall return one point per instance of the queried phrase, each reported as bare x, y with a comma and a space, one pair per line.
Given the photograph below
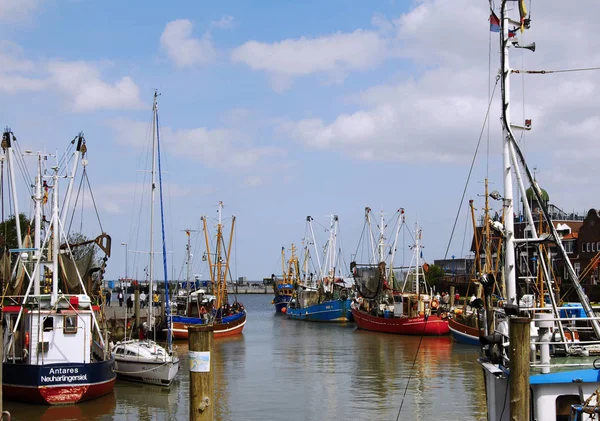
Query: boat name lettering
64, 371
63, 378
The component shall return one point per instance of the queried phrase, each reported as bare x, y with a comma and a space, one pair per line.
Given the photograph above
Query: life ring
26, 339
434, 303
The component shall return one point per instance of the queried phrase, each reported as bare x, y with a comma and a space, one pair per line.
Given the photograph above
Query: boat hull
281, 301
156, 373
57, 384
464, 334
328, 311
230, 326
432, 326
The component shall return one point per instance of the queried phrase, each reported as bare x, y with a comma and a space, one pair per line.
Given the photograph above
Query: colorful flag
512, 33
494, 23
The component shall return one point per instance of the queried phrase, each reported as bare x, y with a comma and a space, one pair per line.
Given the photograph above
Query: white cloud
254, 181
436, 116
182, 48
225, 22
17, 10
216, 148
332, 54
81, 82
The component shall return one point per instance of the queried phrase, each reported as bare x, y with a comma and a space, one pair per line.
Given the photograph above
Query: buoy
284, 309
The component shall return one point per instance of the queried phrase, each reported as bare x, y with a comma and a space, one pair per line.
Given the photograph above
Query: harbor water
297, 371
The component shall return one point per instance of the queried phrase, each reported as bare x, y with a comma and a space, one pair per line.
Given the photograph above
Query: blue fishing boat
283, 288
327, 299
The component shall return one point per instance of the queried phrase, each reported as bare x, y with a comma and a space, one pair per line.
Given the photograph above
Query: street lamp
126, 253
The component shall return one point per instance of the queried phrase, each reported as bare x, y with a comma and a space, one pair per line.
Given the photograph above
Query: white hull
157, 373
145, 361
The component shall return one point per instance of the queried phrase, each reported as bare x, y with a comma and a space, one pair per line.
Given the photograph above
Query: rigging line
546, 72
93, 198
410, 373
471, 168
487, 161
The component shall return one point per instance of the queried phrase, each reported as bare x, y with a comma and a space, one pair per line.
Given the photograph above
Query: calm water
293, 370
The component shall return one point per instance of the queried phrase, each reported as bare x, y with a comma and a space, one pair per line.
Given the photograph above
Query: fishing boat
283, 288
380, 307
552, 377
227, 319
54, 351
328, 298
143, 359
467, 322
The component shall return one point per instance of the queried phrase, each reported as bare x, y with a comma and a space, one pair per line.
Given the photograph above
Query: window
70, 323
569, 246
563, 406
48, 324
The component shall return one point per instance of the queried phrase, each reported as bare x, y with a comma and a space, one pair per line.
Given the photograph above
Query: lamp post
126, 253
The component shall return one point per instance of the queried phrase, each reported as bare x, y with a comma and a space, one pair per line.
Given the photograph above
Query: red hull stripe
433, 326
57, 395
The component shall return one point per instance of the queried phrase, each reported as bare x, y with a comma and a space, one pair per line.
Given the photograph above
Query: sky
284, 109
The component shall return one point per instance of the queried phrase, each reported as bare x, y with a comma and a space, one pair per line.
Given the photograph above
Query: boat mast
371, 237
509, 229
393, 251
381, 238
37, 240
152, 196
55, 237
208, 256
417, 246
219, 258
189, 262
13, 185
314, 240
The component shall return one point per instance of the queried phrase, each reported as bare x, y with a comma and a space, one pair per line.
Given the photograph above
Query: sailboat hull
156, 373
430, 326
57, 384
328, 311
230, 325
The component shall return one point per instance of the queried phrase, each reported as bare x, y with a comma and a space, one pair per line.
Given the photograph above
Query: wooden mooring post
518, 380
202, 385
452, 296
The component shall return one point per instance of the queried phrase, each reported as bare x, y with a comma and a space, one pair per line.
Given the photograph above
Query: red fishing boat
381, 308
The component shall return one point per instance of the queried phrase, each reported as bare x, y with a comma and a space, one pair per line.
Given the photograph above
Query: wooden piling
202, 385
519, 368
452, 296
1, 359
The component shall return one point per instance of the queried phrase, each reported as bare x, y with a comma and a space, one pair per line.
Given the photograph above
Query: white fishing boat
555, 376
143, 359
54, 351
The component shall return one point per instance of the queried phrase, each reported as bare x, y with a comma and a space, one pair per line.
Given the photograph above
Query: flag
494, 23
512, 33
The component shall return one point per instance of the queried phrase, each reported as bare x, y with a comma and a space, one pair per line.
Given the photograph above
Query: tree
8, 231
434, 274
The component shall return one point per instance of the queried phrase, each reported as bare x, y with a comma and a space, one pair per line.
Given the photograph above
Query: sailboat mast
189, 261
152, 197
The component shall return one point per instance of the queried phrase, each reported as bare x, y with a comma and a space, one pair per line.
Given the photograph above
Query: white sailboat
144, 360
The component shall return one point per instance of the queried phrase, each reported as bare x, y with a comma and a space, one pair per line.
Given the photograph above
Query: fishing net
369, 279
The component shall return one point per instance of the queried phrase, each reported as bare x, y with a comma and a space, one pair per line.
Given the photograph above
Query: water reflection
299, 371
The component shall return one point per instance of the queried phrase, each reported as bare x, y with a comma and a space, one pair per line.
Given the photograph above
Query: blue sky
286, 109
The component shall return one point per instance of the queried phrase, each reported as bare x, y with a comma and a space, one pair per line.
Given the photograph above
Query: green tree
8, 231
434, 274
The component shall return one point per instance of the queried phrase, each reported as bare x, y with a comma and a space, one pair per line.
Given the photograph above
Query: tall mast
9, 137
393, 251
314, 240
37, 240
152, 196
370, 233
189, 261
55, 237
381, 238
219, 258
417, 250
79, 153
509, 228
